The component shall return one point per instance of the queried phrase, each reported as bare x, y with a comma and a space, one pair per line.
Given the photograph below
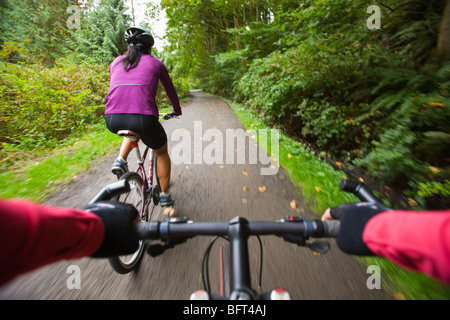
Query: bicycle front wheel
136, 197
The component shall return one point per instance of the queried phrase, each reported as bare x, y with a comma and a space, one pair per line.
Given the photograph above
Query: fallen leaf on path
262, 189
244, 173
245, 188
244, 200
293, 204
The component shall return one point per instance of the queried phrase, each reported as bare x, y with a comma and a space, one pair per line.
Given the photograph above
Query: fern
429, 189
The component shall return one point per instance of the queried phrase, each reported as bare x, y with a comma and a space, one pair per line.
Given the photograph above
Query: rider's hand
120, 236
170, 115
353, 217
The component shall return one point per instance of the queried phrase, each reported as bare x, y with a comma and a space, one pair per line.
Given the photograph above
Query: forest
364, 84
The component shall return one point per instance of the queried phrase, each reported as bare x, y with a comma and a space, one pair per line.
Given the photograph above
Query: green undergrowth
36, 173
318, 184
41, 172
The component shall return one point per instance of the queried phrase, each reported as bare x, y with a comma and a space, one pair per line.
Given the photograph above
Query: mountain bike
144, 193
236, 269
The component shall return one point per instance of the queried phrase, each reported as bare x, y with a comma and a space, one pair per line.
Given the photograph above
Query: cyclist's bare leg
125, 148
164, 167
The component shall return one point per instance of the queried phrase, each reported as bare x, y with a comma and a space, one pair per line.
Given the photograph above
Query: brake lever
298, 240
155, 250
321, 247
318, 246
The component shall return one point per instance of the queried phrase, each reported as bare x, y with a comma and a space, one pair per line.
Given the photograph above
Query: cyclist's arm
32, 235
414, 240
170, 90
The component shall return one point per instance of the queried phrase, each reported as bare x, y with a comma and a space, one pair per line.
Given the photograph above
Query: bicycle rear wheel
136, 197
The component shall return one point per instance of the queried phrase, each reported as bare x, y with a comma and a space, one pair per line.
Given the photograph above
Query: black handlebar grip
358, 189
348, 185
331, 228
148, 230
111, 190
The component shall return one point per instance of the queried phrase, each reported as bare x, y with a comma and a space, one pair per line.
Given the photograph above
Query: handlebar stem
238, 233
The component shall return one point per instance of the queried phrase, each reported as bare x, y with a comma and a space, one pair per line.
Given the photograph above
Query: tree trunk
236, 25
444, 35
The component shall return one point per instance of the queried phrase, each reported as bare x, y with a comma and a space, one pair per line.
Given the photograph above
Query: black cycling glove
169, 116
354, 217
120, 236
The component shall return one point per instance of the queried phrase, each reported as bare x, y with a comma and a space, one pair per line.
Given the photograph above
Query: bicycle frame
140, 161
148, 186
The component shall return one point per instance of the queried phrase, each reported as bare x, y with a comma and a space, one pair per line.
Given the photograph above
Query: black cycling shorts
148, 127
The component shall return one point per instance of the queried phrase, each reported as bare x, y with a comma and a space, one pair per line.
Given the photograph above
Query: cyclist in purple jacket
131, 104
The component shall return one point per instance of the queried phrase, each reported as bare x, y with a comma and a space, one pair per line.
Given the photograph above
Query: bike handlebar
176, 228
292, 229
167, 116
289, 228
360, 190
111, 190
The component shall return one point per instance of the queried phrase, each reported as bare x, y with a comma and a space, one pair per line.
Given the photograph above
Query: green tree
210, 36
42, 24
372, 98
101, 36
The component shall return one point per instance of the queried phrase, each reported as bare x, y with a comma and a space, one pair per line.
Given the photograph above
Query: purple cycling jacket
134, 91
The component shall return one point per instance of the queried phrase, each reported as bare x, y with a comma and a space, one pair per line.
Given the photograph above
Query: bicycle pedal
169, 211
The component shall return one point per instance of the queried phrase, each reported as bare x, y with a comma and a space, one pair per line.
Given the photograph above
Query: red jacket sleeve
418, 241
32, 235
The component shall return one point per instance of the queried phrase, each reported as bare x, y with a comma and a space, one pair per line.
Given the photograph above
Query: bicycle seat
129, 134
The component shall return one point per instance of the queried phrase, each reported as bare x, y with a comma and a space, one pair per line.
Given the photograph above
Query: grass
43, 171
40, 175
318, 182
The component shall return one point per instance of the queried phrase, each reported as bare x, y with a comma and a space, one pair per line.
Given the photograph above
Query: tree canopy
371, 95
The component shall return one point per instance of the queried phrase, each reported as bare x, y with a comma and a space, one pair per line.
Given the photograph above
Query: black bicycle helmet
137, 35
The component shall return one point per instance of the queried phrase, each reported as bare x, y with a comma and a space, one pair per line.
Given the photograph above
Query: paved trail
203, 192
